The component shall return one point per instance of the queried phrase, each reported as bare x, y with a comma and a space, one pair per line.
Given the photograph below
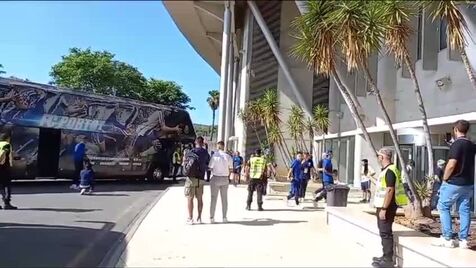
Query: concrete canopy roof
201, 22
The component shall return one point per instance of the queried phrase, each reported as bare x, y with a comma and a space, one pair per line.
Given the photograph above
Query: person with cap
439, 172
255, 172
327, 178
389, 195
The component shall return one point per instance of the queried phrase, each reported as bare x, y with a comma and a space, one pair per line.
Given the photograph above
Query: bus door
48, 152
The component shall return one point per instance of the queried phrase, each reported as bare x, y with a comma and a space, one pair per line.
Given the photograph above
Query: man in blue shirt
327, 178
237, 165
295, 175
78, 156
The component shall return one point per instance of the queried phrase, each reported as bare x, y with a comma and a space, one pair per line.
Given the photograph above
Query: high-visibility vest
257, 166
400, 196
2, 144
176, 158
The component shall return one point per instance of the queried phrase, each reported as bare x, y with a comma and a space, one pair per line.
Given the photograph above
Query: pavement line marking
113, 256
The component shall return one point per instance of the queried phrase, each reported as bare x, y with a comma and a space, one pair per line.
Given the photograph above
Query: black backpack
191, 165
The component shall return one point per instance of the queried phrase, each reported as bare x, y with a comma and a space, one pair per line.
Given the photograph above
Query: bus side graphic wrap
111, 127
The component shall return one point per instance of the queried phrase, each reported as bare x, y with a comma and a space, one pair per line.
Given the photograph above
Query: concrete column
240, 130
229, 95
224, 70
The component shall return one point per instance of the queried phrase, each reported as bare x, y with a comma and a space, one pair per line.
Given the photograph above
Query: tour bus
124, 138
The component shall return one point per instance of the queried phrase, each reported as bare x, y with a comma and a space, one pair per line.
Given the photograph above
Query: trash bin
337, 195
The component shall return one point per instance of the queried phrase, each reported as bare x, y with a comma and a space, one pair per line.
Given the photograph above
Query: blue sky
35, 35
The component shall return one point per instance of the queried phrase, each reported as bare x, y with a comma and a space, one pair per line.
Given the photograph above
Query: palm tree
269, 115
1, 71
315, 45
362, 29
213, 101
320, 117
397, 19
456, 26
296, 126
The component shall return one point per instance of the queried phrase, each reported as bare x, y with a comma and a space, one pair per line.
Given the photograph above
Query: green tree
213, 101
296, 125
99, 72
165, 92
1, 71
86, 70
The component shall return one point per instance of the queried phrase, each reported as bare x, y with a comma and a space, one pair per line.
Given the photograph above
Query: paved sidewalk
279, 236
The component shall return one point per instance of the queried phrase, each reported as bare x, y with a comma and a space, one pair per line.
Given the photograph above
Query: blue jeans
449, 195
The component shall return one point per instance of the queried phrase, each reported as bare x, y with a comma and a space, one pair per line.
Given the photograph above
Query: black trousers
322, 192
258, 186
302, 189
5, 185
176, 170
386, 232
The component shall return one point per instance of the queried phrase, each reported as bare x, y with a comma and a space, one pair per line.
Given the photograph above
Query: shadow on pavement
101, 187
38, 245
72, 210
262, 222
305, 209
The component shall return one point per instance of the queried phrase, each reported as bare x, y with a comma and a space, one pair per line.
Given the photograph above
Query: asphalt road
56, 227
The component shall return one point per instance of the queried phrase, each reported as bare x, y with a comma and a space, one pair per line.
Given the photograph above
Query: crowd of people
454, 183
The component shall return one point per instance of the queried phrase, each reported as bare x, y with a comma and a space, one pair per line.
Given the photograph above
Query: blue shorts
365, 186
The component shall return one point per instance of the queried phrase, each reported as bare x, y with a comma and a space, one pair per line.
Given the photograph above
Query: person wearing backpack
195, 165
6, 163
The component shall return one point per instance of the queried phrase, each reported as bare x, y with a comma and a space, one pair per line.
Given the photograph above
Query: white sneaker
314, 203
190, 221
225, 220
212, 220
442, 242
463, 244
83, 191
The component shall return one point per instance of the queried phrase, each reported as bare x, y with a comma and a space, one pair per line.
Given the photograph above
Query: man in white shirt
221, 166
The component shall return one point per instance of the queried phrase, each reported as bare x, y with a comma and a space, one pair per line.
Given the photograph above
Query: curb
112, 257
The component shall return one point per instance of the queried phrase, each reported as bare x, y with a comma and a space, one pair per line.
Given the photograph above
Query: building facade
249, 44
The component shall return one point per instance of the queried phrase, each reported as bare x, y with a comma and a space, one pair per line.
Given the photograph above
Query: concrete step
283, 188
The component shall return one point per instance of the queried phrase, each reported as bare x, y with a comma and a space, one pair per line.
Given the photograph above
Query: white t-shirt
220, 164
366, 178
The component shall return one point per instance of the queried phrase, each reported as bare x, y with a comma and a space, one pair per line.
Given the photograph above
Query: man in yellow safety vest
176, 162
256, 170
388, 196
6, 163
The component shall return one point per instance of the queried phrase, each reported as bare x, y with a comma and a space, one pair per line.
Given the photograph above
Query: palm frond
397, 18
456, 24
315, 42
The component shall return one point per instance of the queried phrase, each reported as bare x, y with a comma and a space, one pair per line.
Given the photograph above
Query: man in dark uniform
6, 162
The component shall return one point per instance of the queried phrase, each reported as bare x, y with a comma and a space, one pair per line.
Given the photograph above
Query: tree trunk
469, 69
353, 110
393, 135
213, 126
421, 108
257, 136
